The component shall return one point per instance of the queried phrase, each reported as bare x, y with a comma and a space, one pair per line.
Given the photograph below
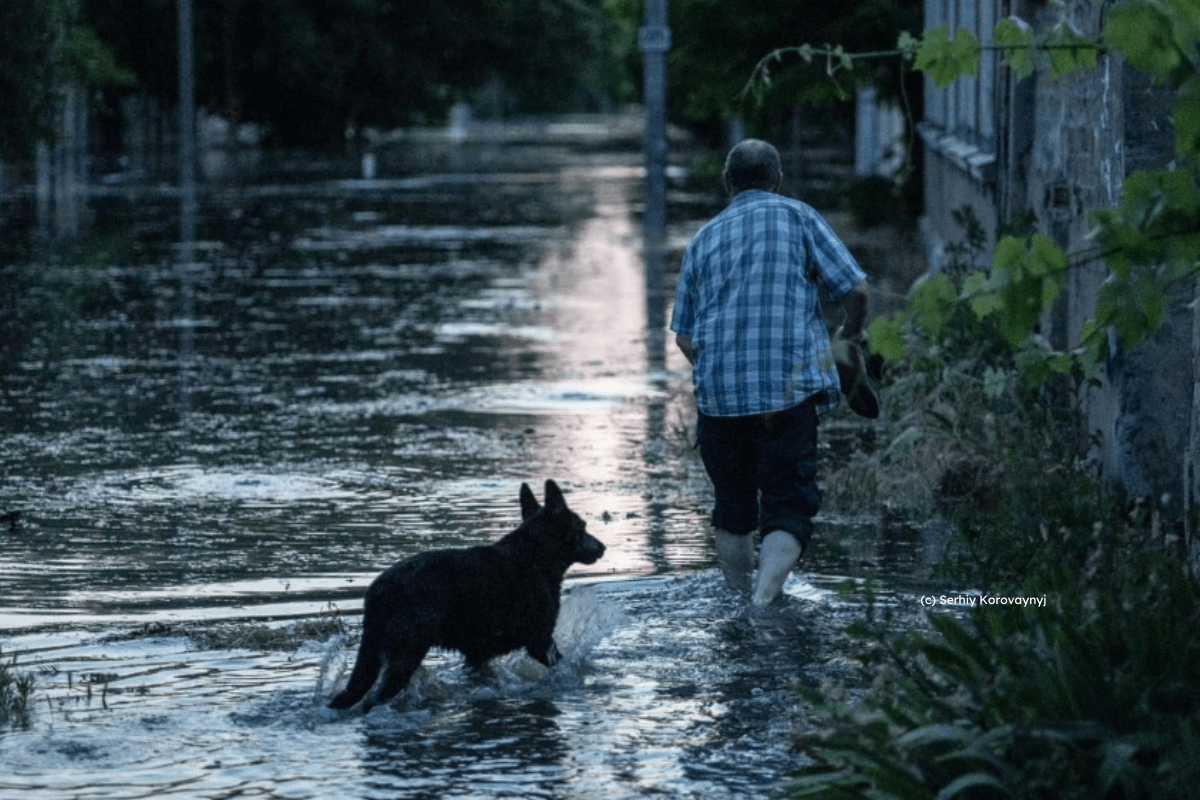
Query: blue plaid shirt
748, 297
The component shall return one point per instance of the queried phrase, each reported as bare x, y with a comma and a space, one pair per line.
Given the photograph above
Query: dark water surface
343, 373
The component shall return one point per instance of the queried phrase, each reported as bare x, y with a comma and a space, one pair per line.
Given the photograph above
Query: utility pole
187, 201
187, 119
654, 41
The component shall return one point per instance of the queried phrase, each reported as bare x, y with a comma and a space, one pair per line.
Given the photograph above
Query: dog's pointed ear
554, 497
529, 503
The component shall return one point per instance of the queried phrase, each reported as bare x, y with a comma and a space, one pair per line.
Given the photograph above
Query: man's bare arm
855, 305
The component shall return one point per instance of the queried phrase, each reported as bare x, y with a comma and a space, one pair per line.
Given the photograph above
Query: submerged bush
260, 636
16, 695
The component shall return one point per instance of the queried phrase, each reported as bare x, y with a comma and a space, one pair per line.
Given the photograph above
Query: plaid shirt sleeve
838, 271
683, 315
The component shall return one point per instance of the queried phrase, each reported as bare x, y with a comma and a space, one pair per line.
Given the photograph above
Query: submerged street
340, 373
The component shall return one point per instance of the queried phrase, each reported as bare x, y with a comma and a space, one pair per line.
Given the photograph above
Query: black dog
481, 601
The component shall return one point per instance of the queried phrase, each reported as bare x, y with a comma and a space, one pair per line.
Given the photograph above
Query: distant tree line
44, 46
309, 70
717, 43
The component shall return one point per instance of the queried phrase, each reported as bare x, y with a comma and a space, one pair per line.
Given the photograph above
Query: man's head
753, 164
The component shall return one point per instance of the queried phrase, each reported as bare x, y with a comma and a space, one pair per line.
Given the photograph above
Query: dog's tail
366, 670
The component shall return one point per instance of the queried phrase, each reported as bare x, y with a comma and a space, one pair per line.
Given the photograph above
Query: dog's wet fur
481, 601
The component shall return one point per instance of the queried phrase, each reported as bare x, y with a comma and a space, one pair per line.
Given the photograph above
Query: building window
960, 120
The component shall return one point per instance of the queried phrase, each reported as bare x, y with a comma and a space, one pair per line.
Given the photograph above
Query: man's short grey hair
753, 164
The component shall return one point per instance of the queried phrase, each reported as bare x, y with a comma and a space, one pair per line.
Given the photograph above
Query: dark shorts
764, 470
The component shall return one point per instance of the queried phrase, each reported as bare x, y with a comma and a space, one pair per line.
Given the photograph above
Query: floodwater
339, 373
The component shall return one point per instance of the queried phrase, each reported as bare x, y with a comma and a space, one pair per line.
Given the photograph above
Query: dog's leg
409, 638
545, 653
400, 670
477, 659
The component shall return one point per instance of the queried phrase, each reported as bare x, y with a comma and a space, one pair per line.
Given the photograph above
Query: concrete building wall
1091, 129
954, 188
1061, 150
960, 136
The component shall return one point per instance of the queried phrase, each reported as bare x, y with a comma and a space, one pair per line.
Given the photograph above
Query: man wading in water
748, 319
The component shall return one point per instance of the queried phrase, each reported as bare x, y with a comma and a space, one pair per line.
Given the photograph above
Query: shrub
16, 694
1092, 696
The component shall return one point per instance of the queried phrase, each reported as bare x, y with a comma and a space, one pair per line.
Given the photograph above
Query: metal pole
187, 112
187, 203
654, 41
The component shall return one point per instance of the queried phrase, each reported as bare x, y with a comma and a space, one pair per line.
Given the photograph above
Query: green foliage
1068, 51
886, 336
931, 305
1042, 702
1088, 694
1155, 36
999, 309
945, 60
1151, 243
1020, 45
90, 62
1162, 39
1094, 694
1027, 279
27, 35
982, 427
45, 47
308, 69
708, 72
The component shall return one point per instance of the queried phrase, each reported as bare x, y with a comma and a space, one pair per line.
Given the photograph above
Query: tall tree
310, 68
44, 47
716, 44
28, 32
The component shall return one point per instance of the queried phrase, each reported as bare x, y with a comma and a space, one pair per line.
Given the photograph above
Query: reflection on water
668, 687
372, 368
347, 373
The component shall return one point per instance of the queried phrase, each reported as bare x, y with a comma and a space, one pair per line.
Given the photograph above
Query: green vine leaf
932, 303
1046, 258
1143, 33
995, 381
1016, 37
1187, 117
1027, 277
981, 294
908, 45
1009, 255
946, 60
1031, 364
885, 337
1068, 51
